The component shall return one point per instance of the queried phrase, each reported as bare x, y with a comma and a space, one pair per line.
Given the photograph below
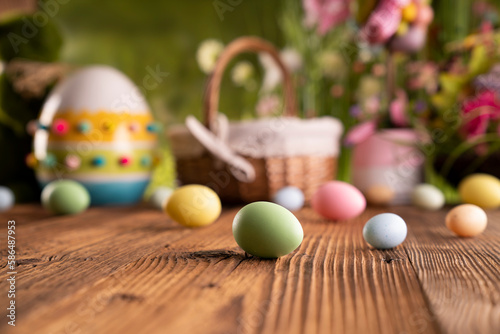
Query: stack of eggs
96, 128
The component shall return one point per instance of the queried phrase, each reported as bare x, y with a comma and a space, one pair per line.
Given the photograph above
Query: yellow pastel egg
410, 12
480, 189
194, 205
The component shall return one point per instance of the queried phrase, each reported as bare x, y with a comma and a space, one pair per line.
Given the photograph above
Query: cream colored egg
466, 220
427, 197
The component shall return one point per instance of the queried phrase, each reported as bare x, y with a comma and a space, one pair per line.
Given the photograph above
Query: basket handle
240, 45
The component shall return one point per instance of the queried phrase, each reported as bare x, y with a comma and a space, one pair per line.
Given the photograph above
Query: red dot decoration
134, 127
60, 127
125, 161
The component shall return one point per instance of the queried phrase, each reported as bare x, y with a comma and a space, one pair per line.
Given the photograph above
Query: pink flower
360, 133
478, 112
384, 21
325, 14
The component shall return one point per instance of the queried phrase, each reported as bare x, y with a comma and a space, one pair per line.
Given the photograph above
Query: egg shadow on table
214, 254
453, 237
387, 255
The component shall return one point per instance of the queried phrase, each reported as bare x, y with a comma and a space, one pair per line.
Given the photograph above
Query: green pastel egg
65, 197
267, 230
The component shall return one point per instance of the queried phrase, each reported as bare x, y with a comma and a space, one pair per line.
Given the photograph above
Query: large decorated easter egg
96, 128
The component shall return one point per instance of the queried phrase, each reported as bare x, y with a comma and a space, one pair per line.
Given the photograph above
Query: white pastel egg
427, 197
384, 231
7, 198
291, 198
160, 196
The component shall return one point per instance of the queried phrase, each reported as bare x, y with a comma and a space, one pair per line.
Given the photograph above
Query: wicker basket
250, 160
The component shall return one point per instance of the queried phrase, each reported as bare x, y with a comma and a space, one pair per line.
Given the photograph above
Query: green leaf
479, 61
452, 84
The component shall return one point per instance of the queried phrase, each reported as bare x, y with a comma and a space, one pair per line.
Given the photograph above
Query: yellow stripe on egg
102, 126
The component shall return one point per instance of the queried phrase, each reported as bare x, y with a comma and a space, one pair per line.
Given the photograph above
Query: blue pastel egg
384, 231
291, 198
7, 198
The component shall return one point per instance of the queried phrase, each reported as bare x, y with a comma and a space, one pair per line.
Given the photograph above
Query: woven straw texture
199, 166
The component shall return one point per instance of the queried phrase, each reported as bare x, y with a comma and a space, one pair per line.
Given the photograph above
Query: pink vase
391, 159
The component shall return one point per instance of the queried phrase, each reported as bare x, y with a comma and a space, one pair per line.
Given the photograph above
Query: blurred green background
132, 35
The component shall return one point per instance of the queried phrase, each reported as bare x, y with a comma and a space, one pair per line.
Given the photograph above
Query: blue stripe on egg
114, 192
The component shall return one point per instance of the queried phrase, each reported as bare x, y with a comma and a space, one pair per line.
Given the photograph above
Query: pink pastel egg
337, 200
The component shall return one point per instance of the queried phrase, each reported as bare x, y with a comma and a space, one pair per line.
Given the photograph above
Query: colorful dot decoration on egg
84, 127
72, 162
108, 125
60, 127
125, 161
134, 127
102, 126
99, 161
153, 127
146, 161
116, 162
31, 127
49, 161
31, 160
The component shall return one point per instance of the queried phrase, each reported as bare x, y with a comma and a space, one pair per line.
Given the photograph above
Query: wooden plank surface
132, 270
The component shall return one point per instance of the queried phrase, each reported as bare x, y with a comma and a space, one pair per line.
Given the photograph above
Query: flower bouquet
465, 112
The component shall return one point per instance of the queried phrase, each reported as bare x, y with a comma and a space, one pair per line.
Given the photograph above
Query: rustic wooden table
131, 270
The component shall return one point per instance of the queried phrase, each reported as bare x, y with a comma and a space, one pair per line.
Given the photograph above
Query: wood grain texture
132, 270
460, 276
